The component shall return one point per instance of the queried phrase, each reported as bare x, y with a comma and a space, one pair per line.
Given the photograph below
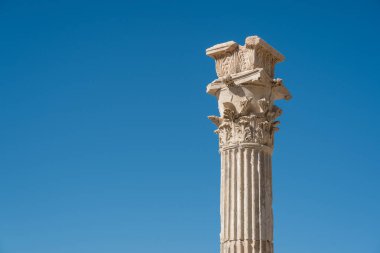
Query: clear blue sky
105, 145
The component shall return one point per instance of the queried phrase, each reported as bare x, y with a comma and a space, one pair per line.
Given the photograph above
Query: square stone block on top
232, 58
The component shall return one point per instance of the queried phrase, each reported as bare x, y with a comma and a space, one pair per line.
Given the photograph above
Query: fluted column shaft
246, 200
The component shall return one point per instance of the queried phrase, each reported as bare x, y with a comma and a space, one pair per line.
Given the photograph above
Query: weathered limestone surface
246, 91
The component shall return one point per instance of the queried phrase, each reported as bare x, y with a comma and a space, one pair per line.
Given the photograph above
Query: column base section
246, 246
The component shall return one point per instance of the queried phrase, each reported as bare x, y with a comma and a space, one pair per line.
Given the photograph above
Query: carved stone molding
246, 92
232, 58
245, 129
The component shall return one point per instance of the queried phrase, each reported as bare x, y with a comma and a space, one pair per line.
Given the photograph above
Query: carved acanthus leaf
215, 119
245, 105
274, 113
229, 114
264, 104
246, 129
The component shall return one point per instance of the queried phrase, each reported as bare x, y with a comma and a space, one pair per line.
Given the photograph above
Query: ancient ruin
246, 90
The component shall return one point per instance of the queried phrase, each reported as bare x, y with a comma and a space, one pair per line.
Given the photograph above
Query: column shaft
246, 201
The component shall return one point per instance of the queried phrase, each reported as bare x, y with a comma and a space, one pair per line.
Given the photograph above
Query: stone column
246, 91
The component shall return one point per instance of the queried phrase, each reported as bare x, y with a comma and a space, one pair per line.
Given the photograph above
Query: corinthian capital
246, 91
